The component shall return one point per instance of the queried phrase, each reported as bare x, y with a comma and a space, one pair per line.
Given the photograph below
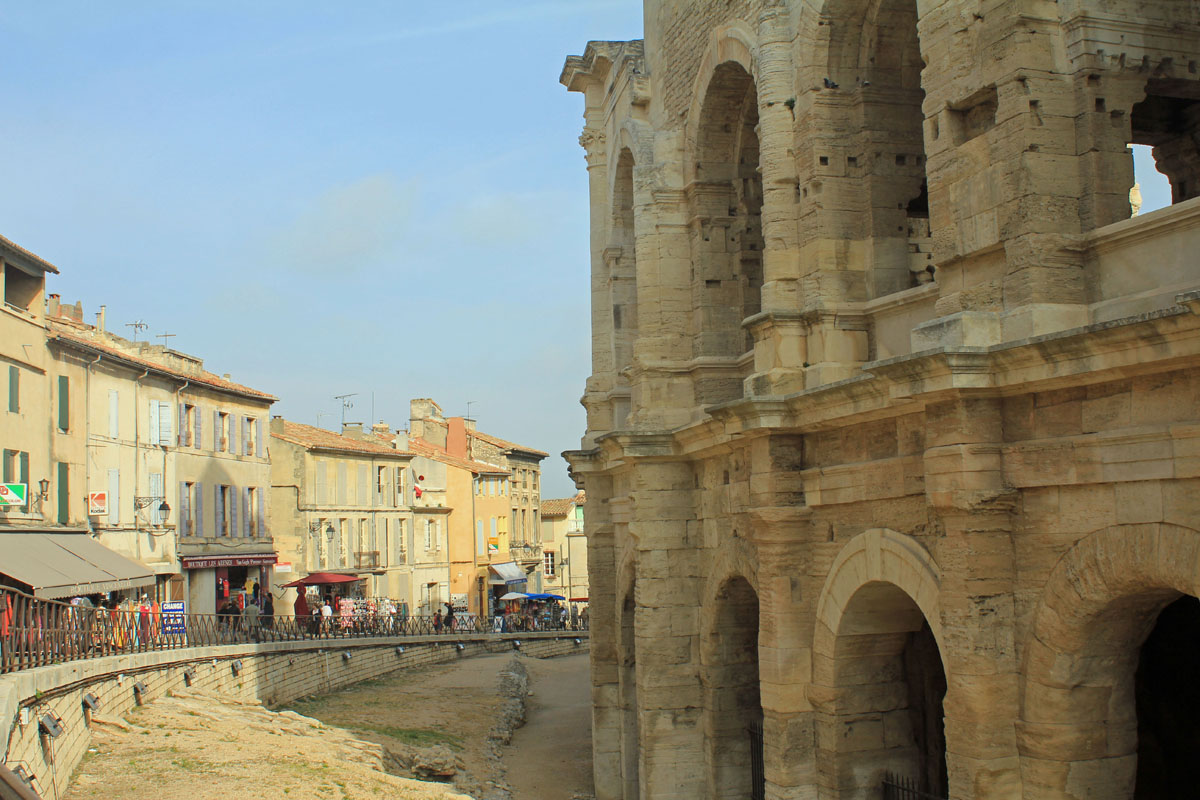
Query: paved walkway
551, 755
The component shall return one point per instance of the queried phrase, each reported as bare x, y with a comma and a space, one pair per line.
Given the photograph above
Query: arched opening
733, 724
888, 685
1168, 703
621, 261
627, 685
726, 226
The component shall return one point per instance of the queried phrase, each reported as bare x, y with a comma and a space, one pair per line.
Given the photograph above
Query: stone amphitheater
893, 427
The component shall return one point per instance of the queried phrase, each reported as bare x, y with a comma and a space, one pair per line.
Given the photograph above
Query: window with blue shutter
217, 431
246, 512
157, 492
154, 423
262, 513
198, 511
184, 504
197, 416
231, 493
219, 511
164, 424
247, 445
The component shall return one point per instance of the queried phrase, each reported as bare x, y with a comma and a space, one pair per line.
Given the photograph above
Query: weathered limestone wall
903, 378
271, 673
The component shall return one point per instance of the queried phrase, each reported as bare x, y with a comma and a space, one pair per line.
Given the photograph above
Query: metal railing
35, 632
758, 775
898, 787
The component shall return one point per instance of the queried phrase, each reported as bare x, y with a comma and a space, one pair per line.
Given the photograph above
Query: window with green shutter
14, 389
64, 494
64, 403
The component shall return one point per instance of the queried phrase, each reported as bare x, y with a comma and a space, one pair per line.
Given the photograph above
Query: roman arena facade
893, 427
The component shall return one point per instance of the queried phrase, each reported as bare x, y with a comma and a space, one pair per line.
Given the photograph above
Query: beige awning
67, 564
506, 573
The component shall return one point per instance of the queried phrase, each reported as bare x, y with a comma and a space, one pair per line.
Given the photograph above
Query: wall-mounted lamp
91, 702
163, 509
460, 647
399, 651
516, 644
345, 655
43, 489
189, 675
578, 641
24, 774
236, 666
49, 726
315, 527
139, 692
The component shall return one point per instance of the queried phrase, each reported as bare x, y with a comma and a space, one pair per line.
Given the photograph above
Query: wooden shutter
114, 497
64, 493
154, 423
246, 512
261, 439
198, 512
233, 511
364, 486
184, 513
246, 443
23, 476
14, 389
64, 403
114, 413
321, 473
182, 425
156, 491
217, 430
218, 511
164, 423
198, 441
262, 513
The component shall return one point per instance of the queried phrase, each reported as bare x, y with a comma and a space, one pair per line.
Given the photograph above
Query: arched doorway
1109, 709
620, 258
885, 714
726, 226
733, 723
627, 685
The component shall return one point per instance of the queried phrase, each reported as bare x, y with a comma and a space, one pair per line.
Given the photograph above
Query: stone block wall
271, 673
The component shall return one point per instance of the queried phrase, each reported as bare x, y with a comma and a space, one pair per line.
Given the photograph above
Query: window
503, 487
156, 491
14, 389
398, 485
187, 510
188, 437
21, 290
251, 443
343, 541
428, 534
64, 493
548, 557
399, 536
491, 487
223, 497
253, 522
380, 484
64, 403
480, 544
223, 432
160, 423
16, 470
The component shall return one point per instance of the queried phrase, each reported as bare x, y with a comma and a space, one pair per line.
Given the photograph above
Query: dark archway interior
630, 736
622, 265
727, 199
734, 698
1168, 119
926, 682
1167, 691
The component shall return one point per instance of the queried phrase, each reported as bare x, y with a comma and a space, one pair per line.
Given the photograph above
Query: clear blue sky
370, 197
382, 197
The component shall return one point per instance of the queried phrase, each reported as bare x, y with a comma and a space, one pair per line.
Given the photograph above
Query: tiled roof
59, 332
37, 261
312, 437
560, 507
505, 445
424, 448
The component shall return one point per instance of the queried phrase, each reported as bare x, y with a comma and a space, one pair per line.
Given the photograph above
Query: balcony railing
366, 559
525, 551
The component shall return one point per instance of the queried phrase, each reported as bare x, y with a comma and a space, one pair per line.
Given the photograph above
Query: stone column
670, 698
967, 498
602, 615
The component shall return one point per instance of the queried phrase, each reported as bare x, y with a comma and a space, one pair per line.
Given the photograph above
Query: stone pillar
602, 616
967, 497
670, 698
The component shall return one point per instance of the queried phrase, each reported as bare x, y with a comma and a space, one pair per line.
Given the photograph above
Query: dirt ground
336, 746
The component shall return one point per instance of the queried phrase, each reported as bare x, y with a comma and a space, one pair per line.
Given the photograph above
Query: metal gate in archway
758, 776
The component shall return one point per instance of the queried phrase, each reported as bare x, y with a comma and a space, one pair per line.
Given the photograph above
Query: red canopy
322, 578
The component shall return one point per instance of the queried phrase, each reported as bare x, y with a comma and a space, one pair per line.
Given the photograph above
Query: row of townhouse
145, 473
127, 467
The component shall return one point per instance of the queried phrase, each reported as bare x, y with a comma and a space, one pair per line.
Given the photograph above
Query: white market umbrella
514, 596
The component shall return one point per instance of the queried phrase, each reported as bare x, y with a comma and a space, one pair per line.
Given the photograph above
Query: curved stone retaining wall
271, 673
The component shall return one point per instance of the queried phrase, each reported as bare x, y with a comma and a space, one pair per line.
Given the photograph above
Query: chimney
77, 311
101, 318
456, 437
381, 427
276, 424
353, 430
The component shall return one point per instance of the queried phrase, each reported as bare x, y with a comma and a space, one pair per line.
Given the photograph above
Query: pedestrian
250, 613
301, 611
326, 615
583, 618
437, 621
268, 612
449, 617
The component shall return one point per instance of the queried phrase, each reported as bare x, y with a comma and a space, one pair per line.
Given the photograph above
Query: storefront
504, 578
214, 580
59, 566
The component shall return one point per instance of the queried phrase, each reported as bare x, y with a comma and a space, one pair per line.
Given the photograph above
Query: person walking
450, 622
267, 619
437, 621
326, 615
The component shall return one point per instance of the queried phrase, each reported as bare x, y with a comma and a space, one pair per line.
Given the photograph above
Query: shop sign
459, 601
13, 494
494, 545
172, 617
283, 566
212, 562
97, 504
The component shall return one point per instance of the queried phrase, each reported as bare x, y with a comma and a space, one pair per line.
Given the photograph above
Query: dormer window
22, 291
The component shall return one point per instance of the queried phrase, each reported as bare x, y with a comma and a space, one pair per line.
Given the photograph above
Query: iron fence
758, 775
35, 632
897, 787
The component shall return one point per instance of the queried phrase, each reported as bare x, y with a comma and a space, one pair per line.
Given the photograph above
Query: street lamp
43, 489
315, 527
163, 509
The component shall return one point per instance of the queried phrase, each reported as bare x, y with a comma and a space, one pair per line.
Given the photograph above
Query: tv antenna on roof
469, 404
346, 403
164, 337
137, 325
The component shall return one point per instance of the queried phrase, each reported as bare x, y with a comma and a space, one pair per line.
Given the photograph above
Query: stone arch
724, 192
879, 679
873, 142
1079, 728
620, 259
729, 662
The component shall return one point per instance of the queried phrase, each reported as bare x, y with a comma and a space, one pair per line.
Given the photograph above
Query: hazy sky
371, 197
385, 198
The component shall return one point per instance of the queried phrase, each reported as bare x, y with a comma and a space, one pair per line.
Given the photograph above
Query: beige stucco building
340, 503
160, 429
893, 414
564, 547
